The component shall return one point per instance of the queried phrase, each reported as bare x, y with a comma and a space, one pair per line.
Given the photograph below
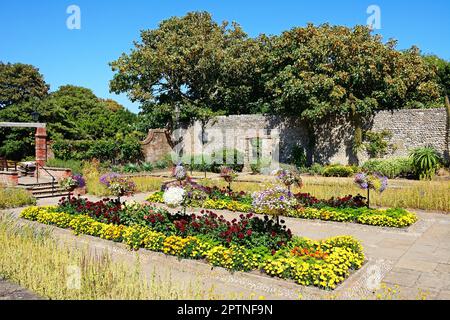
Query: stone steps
45, 190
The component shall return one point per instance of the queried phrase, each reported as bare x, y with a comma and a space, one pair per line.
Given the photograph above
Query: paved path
10, 291
417, 259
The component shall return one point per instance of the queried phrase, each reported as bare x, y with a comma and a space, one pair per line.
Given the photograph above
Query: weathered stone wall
278, 135
156, 145
333, 140
410, 129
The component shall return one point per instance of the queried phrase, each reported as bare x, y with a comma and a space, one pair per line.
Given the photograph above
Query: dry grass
15, 197
34, 260
425, 195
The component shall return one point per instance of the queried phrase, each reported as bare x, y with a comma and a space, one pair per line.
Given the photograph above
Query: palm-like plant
425, 162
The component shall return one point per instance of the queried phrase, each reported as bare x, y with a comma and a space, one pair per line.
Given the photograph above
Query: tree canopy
20, 82
317, 72
195, 64
191, 63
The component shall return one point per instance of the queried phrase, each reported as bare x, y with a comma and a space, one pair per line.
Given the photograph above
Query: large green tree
71, 113
318, 72
442, 68
193, 65
19, 83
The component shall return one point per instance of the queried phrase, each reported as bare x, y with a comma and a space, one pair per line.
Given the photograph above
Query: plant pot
79, 191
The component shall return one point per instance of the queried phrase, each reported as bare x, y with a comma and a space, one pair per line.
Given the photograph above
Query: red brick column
41, 146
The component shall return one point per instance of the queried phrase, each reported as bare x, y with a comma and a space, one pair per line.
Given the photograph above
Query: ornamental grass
32, 258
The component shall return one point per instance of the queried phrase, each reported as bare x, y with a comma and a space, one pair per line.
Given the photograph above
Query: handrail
48, 172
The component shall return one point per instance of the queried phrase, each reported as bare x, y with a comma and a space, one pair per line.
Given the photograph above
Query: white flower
174, 196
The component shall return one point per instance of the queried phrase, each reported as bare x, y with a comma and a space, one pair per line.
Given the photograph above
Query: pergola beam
22, 125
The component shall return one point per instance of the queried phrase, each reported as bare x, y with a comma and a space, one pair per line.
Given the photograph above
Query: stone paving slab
416, 259
11, 291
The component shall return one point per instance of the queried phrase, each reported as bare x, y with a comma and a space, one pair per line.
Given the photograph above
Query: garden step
43, 188
35, 185
47, 191
55, 195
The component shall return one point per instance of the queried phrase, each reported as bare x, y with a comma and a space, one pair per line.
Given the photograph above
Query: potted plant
80, 189
118, 185
179, 173
288, 178
175, 197
375, 181
229, 175
68, 184
275, 202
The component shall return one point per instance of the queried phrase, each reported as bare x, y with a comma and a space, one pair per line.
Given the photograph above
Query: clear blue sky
35, 32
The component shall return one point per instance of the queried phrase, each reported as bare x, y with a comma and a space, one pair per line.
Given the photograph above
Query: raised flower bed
246, 243
347, 209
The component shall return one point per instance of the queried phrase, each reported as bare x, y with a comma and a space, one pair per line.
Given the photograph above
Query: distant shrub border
324, 263
396, 218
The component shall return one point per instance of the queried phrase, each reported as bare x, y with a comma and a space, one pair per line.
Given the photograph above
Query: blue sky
35, 32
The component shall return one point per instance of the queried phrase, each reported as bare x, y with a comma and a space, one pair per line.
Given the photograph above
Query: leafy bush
131, 168
232, 158
425, 162
391, 168
15, 197
197, 162
376, 145
122, 149
147, 167
74, 165
316, 169
164, 163
338, 171
261, 165
298, 156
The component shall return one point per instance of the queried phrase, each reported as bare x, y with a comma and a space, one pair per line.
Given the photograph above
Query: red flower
249, 232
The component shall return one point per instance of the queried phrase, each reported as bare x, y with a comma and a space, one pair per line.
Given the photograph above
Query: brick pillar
41, 146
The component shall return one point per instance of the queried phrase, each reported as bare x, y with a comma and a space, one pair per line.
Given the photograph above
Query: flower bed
245, 244
346, 209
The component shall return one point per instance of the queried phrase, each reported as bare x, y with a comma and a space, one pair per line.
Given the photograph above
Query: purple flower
80, 180
108, 177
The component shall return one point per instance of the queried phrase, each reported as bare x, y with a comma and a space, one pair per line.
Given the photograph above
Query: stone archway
40, 136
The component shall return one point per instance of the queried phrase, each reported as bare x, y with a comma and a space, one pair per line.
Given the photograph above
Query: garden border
276, 288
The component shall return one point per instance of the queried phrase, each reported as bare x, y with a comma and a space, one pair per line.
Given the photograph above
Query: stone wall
156, 145
334, 139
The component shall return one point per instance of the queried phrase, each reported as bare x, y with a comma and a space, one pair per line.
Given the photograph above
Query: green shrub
131, 168
164, 163
338, 170
15, 197
197, 162
261, 164
147, 167
376, 145
425, 162
298, 156
74, 165
316, 169
232, 158
391, 168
